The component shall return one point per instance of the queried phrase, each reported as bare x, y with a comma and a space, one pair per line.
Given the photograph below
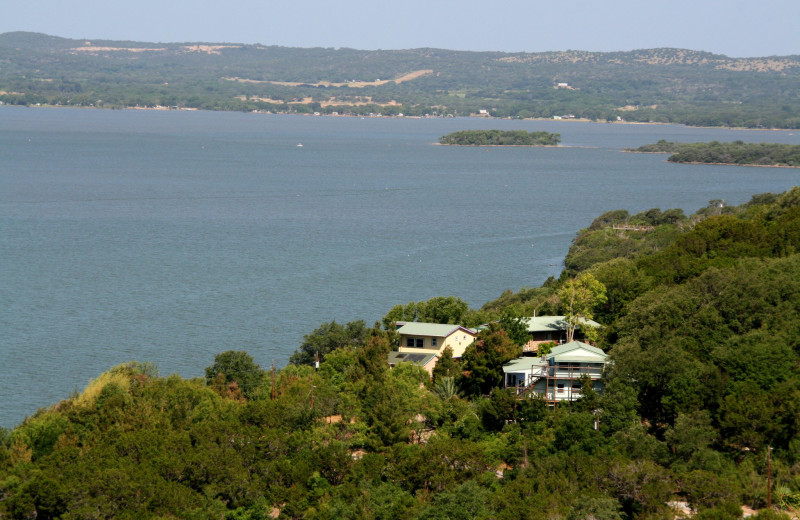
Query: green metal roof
522, 364
414, 328
577, 351
574, 351
553, 323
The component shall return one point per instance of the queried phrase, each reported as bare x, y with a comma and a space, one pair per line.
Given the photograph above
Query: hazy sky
733, 27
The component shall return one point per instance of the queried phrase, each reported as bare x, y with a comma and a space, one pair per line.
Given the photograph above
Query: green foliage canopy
737, 152
705, 377
328, 337
500, 138
237, 367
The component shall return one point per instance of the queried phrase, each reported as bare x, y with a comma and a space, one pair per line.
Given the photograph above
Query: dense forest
651, 85
500, 138
737, 152
701, 408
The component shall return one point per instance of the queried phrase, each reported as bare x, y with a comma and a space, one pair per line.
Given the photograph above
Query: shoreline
711, 163
541, 119
736, 164
508, 145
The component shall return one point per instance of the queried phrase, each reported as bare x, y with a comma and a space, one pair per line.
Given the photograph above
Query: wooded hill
661, 85
702, 322
500, 138
737, 152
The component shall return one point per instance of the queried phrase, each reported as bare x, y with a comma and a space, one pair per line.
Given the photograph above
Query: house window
414, 342
433, 342
560, 387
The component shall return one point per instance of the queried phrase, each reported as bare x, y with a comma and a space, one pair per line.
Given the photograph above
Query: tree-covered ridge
500, 138
660, 85
702, 321
736, 152
662, 56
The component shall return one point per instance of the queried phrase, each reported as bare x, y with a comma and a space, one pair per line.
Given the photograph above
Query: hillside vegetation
702, 321
661, 85
737, 152
500, 138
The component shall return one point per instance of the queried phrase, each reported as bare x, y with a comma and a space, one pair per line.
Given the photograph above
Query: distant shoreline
507, 145
381, 116
736, 164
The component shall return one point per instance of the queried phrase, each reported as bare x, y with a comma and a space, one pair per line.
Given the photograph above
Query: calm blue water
172, 236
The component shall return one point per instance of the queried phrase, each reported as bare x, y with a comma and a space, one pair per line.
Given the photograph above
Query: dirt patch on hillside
209, 49
353, 84
92, 48
634, 108
330, 102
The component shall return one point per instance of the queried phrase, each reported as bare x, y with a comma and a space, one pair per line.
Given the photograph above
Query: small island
500, 138
735, 153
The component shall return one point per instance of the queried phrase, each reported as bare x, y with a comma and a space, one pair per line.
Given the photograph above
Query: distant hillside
661, 85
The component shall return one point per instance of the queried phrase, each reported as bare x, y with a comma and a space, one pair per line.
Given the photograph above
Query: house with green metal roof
557, 376
546, 329
433, 338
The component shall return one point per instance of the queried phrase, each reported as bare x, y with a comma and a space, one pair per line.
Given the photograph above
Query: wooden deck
632, 228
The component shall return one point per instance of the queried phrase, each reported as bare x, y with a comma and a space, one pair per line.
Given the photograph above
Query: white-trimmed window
433, 342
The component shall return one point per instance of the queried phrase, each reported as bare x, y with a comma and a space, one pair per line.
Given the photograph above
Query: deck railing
555, 373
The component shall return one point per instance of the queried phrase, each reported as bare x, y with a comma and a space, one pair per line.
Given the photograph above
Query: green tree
515, 326
692, 432
499, 408
464, 502
237, 366
595, 508
446, 366
746, 417
328, 337
618, 404
578, 297
623, 281
401, 312
371, 360
483, 360
439, 309
443, 309
392, 398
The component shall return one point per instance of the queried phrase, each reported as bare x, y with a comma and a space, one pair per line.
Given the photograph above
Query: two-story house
557, 376
423, 343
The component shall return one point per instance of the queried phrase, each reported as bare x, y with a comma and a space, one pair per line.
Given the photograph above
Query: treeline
656, 85
500, 138
737, 152
702, 322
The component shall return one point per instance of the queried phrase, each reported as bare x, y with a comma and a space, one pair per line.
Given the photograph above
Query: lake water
172, 236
